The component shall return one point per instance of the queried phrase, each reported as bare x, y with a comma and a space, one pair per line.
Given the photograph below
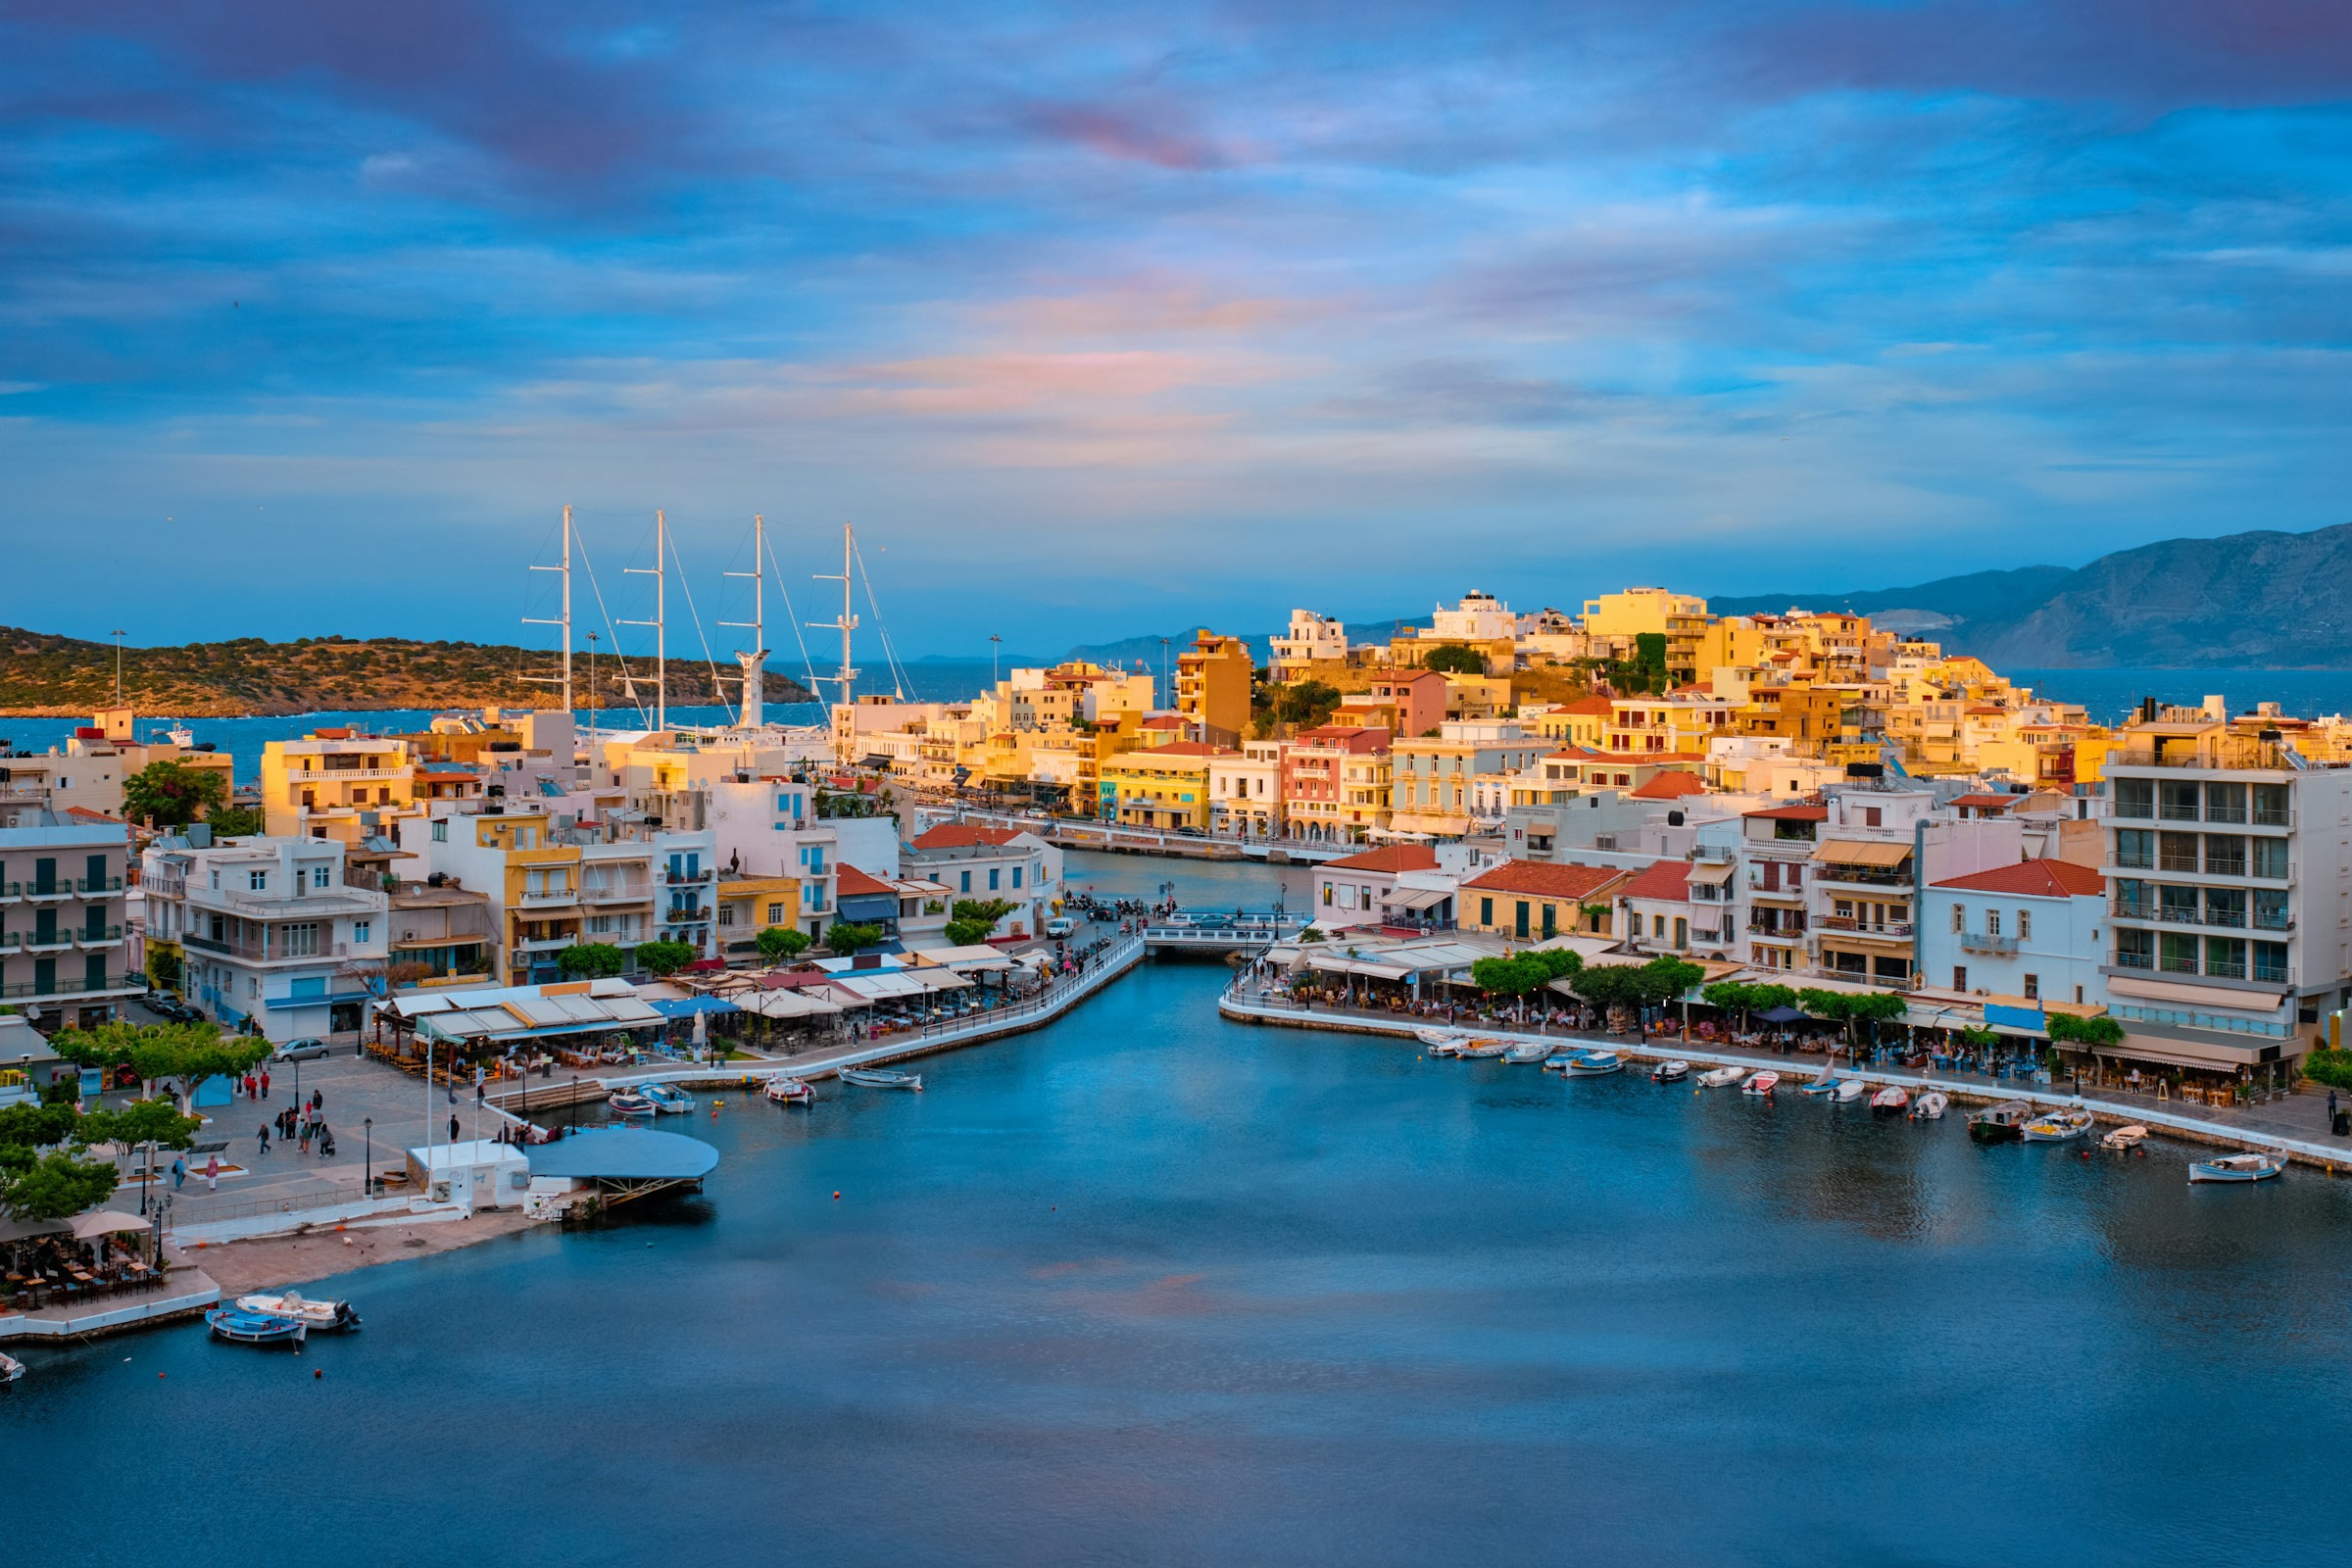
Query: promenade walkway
2294, 1125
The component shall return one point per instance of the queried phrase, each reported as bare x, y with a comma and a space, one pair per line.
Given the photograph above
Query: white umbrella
105, 1222
702, 1029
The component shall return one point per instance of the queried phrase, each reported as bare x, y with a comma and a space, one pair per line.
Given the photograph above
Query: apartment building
270, 932
1434, 780
973, 861
1336, 784
1245, 791
324, 785
1166, 787
1527, 901
2029, 933
1309, 638
1212, 687
63, 914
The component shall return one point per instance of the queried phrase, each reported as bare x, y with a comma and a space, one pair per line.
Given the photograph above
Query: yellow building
1528, 901
1212, 687
1681, 618
748, 906
1578, 723
319, 786
1165, 787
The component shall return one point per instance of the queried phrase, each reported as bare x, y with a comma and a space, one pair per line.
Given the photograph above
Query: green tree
591, 960
664, 958
1305, 704
2330, 1068
43, 1172
172, 794
845, 937
162, 969
142, 1121
972, 919
780, 942
235, 822
55, 1186
1452, 658
2065, 1029
180, 1054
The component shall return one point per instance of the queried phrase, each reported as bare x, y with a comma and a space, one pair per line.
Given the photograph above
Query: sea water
1148, 1286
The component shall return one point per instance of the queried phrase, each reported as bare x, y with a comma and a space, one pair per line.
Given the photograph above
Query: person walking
318, 1100
211, 1173
264, 1083
304, 1132
179, 1174
453, 1129
2331, 1110
265, 1138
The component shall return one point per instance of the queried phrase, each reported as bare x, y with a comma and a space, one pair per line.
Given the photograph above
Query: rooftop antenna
754, 677
565, 622
847, 622
660, 573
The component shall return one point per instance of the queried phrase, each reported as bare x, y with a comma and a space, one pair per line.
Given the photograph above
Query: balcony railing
2273, 816
1984, 941
2135, 960
1783, 933
1870, 876
1861, 927
549, 895
254, 949
104, 936
616, 893
63, 989
703, 875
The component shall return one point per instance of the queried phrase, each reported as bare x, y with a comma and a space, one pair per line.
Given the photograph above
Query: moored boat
1827, 1082
2057, 1126
1850, 1090
880, 1078
2125, 1138
255, 1328
1721, 1077
11, 1369
1523, 1054
328, 1317
1436, 1038
1592, 1063
2001, 1123
667, 1099
1893, 1099
1763, 1084
1670, 1072
2238, 1169
1450, 1045
1930, 1105
1482, 1050
789, 1092
629, 1103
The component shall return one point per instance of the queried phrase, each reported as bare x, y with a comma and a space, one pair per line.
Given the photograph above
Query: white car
1062, 925
305, 1050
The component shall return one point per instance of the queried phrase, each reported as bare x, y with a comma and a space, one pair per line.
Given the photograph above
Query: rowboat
1558, 1060
255, 1328
2125, 1138
1895, 1097
668, 1100
1482, 1050
2238, 1169
1762, 1084
329, 1317
1721, 1077
1592, 1063
629, 1103
1436, 1038
1523, 1054
878, 1078
1930, 1105
789, 1092
1850, 1090
2001, 1123
1670, 1072
2056, 1127
1450, 1045
11, 1369
1827, 1082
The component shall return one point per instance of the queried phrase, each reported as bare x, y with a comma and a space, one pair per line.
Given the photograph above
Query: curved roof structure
624, 1153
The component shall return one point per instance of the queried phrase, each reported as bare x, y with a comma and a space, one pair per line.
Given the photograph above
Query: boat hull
2230, 1170
255, 1328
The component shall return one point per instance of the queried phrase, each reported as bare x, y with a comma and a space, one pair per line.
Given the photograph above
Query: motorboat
629, 1103
329, 1317
1930, 1105
1670, 1072
2057, 1126
11, 1369
1762, 1084
1449, 1045
667, 1099
255, 1328
2236, 1169
1827, 1082
1558, 1060
1592, 1063
1850, 1090
2123, 1138
880, 1078
1482, 1049
1521, 1054
1436, 1038
2003, 1123
789, 1092
1894, 1098
1722, 1077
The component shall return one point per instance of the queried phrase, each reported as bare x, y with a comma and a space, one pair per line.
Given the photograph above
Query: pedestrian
305, 1131
211, 1173
179, 1174
265, 1138
453, 1129
264, 1083
2331, 1108
477, 1088
318, 1099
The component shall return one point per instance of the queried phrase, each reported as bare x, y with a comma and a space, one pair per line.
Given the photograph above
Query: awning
2256, 1002
978, 955
105, 1222
1712, 872
787, 1005
937, 979
2195, 1054
694, 1004
1413, 898
1850, 852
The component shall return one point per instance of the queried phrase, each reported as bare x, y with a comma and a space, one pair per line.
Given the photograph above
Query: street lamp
367, 1167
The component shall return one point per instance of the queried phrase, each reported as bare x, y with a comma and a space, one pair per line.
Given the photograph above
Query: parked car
1062, 925
164, 1005
308, 1049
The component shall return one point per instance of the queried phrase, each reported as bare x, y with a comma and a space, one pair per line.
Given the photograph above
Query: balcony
616, 893
2273, 816
696, 917
64, 991
549, 897
312, 776
252, 953
546, 944
1891, 929
91, 938
1986, 941
38, 942
1866, 876
689, 878
55, 892
1775, 933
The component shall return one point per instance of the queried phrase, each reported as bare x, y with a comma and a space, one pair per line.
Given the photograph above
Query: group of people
302, 1125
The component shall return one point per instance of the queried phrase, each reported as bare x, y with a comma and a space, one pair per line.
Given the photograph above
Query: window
1551, 919
727, 915
2025, 928
1959, 977
441, 831
1486, 912
965, 886
2178, 954
257, 881
600, 925
1657, 925
1016, 876
2135, 848
1959, 918
2270, 860
1328, 896
318, 876
2225, 958
1871, 815
2269, 961
1519, 921
2269, 909
299, 940
2135, 949
1993, 922
775, 914
358, 930
2224, 855
2033, 988
992, 879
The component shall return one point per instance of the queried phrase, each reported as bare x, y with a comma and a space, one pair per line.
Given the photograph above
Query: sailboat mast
755, 675
565, 620
660, 572
848, 621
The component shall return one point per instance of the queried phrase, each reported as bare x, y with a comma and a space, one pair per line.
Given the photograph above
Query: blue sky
1109, 318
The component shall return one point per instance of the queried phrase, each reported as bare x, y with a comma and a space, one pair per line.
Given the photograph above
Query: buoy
159, 1374
837, 1198
317, 1372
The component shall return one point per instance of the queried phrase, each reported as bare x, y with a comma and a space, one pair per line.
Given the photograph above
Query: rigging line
793, 615
619, 656
898, 676
709, 658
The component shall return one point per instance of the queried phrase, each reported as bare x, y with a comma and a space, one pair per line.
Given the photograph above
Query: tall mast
847, 622
660, 572
565, 620
755, 675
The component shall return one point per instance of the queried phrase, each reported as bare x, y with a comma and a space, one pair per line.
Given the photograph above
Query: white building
1245, 791
62, 952
2032, 931
1480, 617
1310, 636
267, 929
974, 861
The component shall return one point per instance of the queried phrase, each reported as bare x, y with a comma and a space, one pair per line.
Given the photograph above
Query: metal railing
98, 936
1859, 875
60, 989
1862, 927
2135, 960
1986, 941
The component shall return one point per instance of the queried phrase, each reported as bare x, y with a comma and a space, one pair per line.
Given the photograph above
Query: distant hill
2247, 601
45, 675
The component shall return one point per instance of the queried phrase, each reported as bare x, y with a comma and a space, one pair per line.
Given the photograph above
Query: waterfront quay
2292, 1125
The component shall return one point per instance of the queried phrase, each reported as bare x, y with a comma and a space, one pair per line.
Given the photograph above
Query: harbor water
1147, 1287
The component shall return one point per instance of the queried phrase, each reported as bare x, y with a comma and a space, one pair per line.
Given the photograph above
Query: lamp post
367, 1165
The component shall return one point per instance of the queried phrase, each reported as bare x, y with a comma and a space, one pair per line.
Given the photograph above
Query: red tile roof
1661, 879
1388, 857
1161, 721
1602, 706
848, 882
1546, 881
963, 835
2033, 879
1670, 784
1793, 814
1987, 803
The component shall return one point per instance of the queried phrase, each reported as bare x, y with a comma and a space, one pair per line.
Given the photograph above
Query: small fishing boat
2000, 1124
1895, 1097
1670, 1072
1523, 1054
1930, 1105
1450, 1045
2238, 1169
2123, 1138
1762, 1084
1558, 1061
329, 1317
1592, 1063
668, 1100
789, 1092
629, 1103
1721, 1077
1436, 1038
255, 1328
1850, 1090
1482, 1050
11, 1369
1827, 1082
879, 1078
2056, 1127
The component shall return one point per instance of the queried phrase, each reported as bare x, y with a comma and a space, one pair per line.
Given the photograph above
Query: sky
1108, 318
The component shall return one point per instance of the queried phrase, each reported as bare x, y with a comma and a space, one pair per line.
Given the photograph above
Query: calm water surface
1149, 1287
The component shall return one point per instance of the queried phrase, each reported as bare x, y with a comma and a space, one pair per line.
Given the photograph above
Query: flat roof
624, 1153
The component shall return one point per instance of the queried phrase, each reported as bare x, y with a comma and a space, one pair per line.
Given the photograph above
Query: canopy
1414, 897
788, 1004
1780, 1014
105, 1222
1712, 872
1850, 852
694, 1004
977, 956
876, 984
17, 1230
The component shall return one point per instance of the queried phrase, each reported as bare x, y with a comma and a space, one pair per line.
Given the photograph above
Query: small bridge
1221, 930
